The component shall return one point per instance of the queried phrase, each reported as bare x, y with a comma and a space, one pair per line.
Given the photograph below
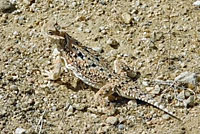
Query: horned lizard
90, 67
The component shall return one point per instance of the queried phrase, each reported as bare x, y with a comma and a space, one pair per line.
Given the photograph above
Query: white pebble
165, 116
196, 3
20, 131
74, 4
112, 120
15, 33
98, 49
87, 30
187, 77
126, 18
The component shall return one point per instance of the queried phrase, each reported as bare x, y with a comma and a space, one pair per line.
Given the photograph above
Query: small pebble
121, 126
103, 2
187, 94
122, 119
73, 4
15, 33
6, 6
101, 28
70, 110
149, 89
13, 87
156, 90
80, 18
98, 49
196, 3
13, 1
20, 131
181, 95
189, 101
80, 28
87, 30
113, 43
54, 108
1, 97
145, 83
132, 103
104, 32
198, 96
112, 120
3, 112
165, 116
126, 17
187, 77
79, 106
29, 2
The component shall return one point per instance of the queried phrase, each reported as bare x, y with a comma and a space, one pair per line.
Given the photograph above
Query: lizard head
56, 34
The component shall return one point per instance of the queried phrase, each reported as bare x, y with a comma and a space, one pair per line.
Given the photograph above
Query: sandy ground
160, 39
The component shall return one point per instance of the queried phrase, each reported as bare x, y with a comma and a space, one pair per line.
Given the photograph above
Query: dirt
160, 39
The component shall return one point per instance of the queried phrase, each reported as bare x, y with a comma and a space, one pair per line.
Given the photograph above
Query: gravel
163, 37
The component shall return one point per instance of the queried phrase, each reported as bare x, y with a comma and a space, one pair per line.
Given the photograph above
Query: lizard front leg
57, 66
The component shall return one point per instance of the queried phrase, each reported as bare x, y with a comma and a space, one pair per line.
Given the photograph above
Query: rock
13, 87
198, 96
3, 113
181, 96
156, 90
6, 6
187, 77
187, 94
121, 126
73, 4
80, 28
104, 32
20, 131
126, 17
121, 119
149, 89
98, 49
113, 43
103, 2
87, 30
145, 83
101, 28
112, 120
1, 97
29, 2
54, 108
189, 101
165, 116
13, 1
81, 18
15, 33
196, 3
132, 104
79, 106
70, 110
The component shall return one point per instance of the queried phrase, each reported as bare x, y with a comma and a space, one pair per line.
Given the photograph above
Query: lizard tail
159, 106
143, 97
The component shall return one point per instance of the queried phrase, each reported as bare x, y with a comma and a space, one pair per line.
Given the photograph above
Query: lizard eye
50, 32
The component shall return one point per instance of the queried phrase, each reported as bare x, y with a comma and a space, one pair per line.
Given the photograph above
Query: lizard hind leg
105, 91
